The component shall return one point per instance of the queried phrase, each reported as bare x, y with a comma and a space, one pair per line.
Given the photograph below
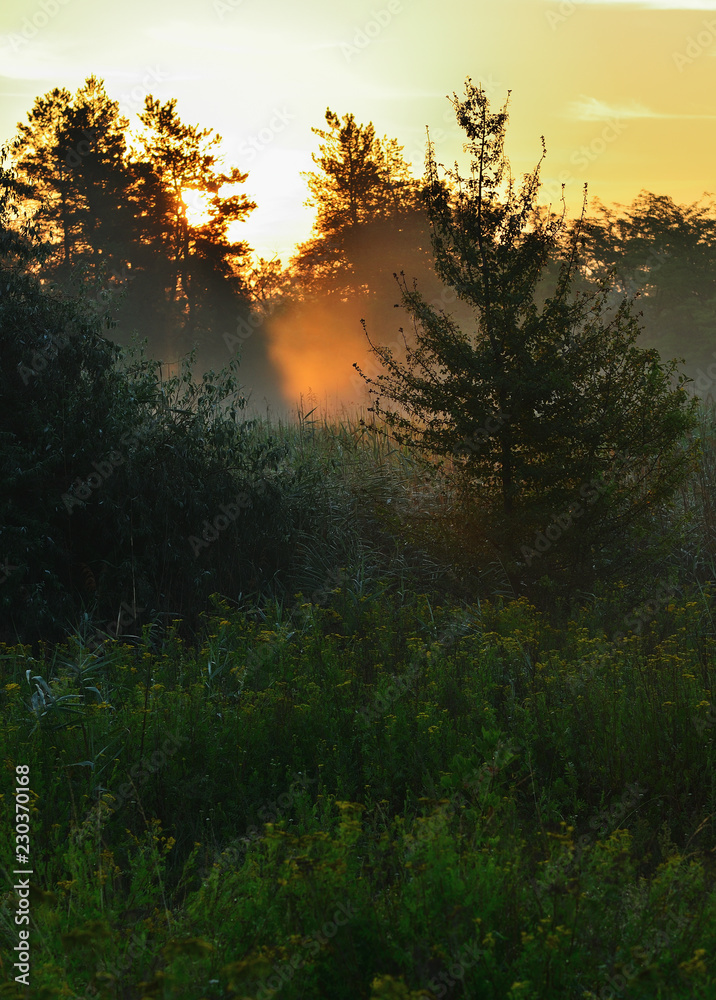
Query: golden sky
623, 92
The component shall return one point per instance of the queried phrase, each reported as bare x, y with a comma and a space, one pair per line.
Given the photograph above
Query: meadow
393, 777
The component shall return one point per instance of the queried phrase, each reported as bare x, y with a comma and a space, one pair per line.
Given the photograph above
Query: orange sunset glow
622, 91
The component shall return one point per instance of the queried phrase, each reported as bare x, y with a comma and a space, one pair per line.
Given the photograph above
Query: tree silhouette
203, 264
667, 254
71, 156
534, 408
364, 195
115, 216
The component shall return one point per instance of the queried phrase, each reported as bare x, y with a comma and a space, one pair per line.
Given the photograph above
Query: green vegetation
285, 715
383, 791
529, 405
386, 785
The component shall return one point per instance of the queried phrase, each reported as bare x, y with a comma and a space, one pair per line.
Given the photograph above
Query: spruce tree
544, 411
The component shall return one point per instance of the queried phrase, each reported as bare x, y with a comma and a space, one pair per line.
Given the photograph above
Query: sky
622, 91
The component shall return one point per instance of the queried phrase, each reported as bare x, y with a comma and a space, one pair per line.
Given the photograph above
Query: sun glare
197, 204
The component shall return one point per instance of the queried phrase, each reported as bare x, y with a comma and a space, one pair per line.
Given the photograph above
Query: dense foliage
544, 412
373, 796
666, 254
118, 484
286, 724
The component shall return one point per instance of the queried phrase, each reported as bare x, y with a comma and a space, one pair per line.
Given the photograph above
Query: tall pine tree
537, 412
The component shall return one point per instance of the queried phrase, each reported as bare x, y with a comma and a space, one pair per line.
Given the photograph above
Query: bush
123, 491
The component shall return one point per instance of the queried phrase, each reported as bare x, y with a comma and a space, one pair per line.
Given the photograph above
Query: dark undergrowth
371, 796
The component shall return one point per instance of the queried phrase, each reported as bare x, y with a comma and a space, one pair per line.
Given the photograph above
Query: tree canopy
365, 196
71, 157
111, 205
665, 253
534, 405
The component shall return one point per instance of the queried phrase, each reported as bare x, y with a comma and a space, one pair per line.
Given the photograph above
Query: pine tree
71, 156
364, 196
204, 264
537, 412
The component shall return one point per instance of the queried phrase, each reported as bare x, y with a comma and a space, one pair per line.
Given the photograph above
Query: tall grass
477, 794
377, 763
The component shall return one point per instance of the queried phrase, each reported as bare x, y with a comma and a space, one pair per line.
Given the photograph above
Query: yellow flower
696, 964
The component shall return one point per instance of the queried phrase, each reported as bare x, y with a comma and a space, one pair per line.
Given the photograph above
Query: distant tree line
533, 394
111, 207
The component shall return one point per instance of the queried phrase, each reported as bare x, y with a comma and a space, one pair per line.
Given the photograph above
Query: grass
386, 776
522, 810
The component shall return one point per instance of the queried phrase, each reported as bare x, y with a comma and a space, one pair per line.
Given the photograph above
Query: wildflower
696, 964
